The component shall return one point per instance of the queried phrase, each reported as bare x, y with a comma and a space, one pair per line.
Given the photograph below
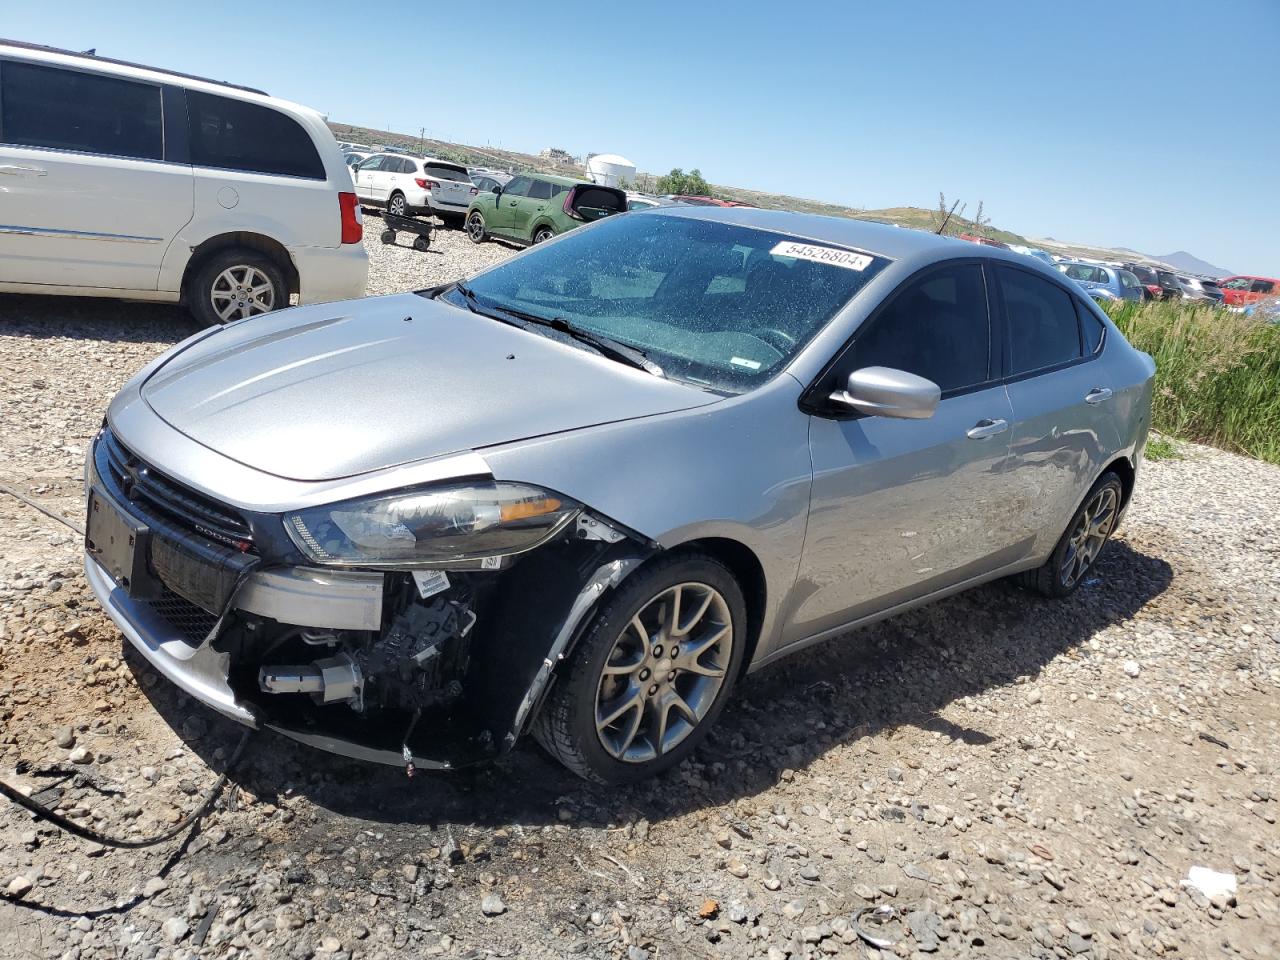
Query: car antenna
945, 220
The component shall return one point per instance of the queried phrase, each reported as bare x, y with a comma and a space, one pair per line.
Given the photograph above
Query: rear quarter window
238, 135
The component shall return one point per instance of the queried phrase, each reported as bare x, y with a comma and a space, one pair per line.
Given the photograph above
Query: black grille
184, 616
143, 485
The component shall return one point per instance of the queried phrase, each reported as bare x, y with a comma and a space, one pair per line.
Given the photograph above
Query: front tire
1082, 543
477, 231
234, 284
651, 674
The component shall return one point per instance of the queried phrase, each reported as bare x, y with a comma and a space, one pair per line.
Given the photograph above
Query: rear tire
396, 205
477, 231
656, 701
543, 234
233, 284
1082, 543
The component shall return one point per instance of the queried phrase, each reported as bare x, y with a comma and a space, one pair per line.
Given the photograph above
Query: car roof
880, 238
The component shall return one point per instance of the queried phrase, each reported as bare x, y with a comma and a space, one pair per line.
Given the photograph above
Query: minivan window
237, 135
85, 112
1043, 330
540, 190
937, 327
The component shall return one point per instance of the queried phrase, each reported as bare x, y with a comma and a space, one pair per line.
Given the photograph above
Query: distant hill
1189, 263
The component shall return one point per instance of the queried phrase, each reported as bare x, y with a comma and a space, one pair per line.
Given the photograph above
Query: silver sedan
580, 494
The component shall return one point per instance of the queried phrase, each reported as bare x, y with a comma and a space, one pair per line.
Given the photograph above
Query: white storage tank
609, 170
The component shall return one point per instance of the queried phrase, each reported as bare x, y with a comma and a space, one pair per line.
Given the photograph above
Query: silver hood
340, 389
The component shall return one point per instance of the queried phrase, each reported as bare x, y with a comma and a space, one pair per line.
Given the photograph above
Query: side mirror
885, 392
497, 189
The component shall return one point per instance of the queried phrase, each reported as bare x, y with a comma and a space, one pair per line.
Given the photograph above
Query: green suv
530, 209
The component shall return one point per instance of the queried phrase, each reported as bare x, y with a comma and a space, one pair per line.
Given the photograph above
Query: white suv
407, 186
119, 180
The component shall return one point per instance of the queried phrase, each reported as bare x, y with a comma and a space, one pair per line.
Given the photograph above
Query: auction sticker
832, 255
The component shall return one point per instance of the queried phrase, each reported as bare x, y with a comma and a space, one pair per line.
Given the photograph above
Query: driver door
504, 211
903, 508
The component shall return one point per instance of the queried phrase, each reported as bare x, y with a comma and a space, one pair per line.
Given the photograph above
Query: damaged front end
336, 626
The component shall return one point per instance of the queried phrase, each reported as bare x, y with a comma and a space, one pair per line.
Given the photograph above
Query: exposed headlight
435, 525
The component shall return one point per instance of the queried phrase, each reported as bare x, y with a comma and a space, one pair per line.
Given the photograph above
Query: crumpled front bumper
199, 671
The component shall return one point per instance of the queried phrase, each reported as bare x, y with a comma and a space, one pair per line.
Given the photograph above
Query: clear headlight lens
432, 525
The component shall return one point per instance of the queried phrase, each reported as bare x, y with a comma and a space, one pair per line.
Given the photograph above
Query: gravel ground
1017, 778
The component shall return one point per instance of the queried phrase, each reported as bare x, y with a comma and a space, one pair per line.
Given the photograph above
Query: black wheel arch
257, 242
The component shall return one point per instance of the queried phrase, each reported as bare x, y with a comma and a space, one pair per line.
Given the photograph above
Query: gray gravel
1016, 778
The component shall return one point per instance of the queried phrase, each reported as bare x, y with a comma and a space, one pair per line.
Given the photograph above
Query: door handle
987, 428
511, 203
1097, 395
13, 170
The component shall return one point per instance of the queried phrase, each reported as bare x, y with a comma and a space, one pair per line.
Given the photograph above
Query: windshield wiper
605, 346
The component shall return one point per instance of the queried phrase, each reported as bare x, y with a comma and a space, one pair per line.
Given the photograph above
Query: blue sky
1152, 124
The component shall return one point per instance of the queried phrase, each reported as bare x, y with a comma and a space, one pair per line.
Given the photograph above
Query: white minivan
118, 180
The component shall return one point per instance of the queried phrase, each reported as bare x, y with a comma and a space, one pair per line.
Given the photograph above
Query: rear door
88, 195
1063, 420
523, 213
903, 508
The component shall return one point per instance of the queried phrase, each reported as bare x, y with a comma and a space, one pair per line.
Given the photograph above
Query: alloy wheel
475, 227
241, 291
542, 235
396, 207
664, 672
1096, 522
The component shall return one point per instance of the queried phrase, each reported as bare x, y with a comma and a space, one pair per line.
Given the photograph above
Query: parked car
585, 491
355, 147
1149, 278
642, 201
533, 208
700, 201
413, 186
127, 181
354, 159
1194, 288
1100, 281
489, 182
1240, 291
1170, 288
984, 241
1042, 255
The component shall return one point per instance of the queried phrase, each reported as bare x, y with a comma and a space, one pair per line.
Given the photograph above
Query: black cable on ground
20, 495
70, 826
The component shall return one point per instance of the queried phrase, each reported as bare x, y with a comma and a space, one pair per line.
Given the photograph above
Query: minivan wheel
234, 284
543, 234
396, 205
476, 229
1078, 550
651, 674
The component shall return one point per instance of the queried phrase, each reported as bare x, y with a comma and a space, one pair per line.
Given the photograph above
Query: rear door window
1262, 286
540, 190
236, 135
1043, 330
85, 112
936, 327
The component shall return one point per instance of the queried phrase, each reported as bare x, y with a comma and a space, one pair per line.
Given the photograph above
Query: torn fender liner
542, 608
